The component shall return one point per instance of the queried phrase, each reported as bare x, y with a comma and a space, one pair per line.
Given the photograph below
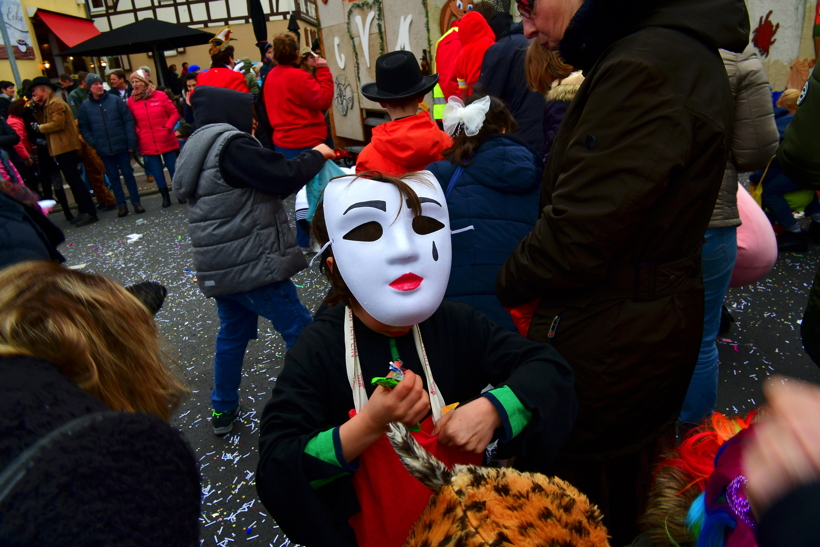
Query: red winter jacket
23, 148
154, 119
295, 100
223, 77
447, 50
476, 38
403, 146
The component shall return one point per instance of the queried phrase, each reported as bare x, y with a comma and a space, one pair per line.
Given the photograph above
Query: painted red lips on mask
407, 282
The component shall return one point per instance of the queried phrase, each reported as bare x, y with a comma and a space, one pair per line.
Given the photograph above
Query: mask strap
454, 232
317, 255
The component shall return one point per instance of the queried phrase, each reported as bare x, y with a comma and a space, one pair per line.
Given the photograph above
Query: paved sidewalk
145, 188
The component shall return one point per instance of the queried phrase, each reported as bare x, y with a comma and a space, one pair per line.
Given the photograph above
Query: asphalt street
155, 246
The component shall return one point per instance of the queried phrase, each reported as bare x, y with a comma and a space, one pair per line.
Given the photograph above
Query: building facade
208, 15
38, 30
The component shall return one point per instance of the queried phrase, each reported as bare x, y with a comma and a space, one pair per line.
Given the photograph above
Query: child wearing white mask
327, 472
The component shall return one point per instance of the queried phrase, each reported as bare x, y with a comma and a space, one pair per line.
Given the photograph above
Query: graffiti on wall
344, 95
763, 36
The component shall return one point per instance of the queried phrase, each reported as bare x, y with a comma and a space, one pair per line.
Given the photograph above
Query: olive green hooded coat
799, 157
628, 191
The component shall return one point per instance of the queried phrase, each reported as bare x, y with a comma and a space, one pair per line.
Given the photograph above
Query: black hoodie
598, 24
245, 163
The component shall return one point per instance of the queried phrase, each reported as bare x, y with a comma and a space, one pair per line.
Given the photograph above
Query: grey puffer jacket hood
754, 136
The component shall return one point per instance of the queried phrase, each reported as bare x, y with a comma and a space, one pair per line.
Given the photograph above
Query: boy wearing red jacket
412, 140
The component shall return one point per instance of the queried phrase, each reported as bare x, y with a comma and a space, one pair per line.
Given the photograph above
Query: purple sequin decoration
736, 496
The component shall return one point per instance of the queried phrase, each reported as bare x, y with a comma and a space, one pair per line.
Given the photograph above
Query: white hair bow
470, 117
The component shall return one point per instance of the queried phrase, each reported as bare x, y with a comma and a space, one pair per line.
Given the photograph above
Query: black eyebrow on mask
376, 204
424, 200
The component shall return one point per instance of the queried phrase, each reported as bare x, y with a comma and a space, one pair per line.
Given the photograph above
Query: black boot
166, 199
793, 242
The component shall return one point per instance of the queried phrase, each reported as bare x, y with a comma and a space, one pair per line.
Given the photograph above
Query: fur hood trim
563, 92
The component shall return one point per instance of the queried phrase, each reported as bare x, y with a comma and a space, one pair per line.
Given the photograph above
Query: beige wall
794, 20
245, 46
31, 68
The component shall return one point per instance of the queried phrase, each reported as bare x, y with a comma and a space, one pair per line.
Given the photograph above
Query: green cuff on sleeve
322, 448
517, 417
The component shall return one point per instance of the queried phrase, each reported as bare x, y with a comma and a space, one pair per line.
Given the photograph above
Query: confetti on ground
764, 341
231, 510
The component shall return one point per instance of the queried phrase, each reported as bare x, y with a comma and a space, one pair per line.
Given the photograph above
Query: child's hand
469, 427
321, 62
326, 151
406, 403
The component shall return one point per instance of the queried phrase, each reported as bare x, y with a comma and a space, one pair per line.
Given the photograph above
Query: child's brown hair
497, 120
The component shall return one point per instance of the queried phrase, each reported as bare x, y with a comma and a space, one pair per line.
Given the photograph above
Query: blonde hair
542, 67
788, 99
91, 329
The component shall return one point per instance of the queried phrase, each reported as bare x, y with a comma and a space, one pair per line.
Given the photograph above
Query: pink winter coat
155, 119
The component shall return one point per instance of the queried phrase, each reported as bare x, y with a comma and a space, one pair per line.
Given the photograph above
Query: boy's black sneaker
814, 231
223, 421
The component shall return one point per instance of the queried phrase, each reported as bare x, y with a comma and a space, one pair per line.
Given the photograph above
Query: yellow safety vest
439, 100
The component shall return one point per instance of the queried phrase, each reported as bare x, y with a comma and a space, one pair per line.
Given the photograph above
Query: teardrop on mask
435, 252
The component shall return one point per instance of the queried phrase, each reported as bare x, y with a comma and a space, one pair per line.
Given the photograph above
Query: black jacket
503, 76
26, 234
792, 520
127, 479
466, 352
128, 91
8, 138
5, 103
628, 191
799, 158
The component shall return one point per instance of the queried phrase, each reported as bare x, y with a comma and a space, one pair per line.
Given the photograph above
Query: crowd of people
529, 274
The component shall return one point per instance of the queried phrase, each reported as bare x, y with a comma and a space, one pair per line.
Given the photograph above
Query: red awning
71, 30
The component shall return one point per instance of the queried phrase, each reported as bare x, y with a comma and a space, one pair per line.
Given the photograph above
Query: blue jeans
302, 236
238, 314
153, 166
114, 165
773, 200
719, 255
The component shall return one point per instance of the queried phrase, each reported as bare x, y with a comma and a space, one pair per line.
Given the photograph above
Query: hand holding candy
407, 403
469, 427
392, 379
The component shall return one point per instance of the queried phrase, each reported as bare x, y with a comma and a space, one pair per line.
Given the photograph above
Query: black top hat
42, 80
398, 76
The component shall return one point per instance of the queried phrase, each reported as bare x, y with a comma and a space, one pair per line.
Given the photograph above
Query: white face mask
396, 268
